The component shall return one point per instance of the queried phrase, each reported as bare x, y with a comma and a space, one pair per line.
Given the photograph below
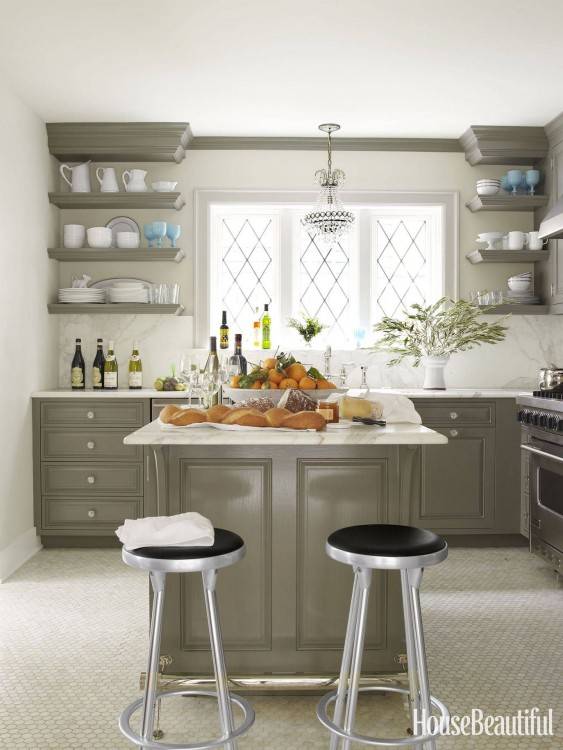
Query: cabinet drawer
91, 478
454, 412
65, 443
94, 413
82, 514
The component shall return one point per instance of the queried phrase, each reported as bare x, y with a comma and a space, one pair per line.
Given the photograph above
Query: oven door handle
552, 457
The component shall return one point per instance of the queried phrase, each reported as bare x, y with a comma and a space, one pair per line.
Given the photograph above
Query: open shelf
123, 308
507, 256
506, 202
119, 141
117, 200
140, 254
498, 144
516, 309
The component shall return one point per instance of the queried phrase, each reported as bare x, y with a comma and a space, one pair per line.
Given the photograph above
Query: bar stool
228, 549
383, 547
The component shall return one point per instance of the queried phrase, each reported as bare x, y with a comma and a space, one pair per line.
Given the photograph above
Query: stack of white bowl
488, 186
74, 235
128, 291
520, 290
82, 294
129, 240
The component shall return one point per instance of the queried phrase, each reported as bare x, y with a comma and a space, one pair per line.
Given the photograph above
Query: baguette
185, 417
247, 417
305, 420
167, 412
276, 416
218, 412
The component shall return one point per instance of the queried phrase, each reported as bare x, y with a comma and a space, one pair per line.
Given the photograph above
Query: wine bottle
256, 341
237, 358
98, 367
110, 370
135, 369
224, 332
266, 328
77, 369
212, 369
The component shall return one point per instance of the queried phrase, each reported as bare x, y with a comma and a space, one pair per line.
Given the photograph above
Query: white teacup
127, 239
99, 237
516, 240
534, 241
74, 235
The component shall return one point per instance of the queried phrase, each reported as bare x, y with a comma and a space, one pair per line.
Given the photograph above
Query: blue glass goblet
514, 179
173, 231
159, 230
149, 233
532, 179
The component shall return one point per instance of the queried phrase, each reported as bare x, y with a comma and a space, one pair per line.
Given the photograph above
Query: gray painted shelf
494, 144
507, 256
117, 200
505, 202
517, 309
124, 308
119, 141
141, 254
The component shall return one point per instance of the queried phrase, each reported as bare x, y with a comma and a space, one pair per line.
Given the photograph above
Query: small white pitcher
135, 182
79, 177
108, 180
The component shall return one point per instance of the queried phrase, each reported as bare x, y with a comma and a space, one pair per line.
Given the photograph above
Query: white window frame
206, 199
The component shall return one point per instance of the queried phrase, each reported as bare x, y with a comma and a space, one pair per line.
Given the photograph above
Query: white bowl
490, 236
127, 239
491, 180
519, 285
99, 237
74, 235
241, 394
487, 189
163, 186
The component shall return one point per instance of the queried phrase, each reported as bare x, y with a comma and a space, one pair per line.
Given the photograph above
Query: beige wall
28, 336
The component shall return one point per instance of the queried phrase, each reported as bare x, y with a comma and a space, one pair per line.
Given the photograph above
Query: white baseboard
18, 552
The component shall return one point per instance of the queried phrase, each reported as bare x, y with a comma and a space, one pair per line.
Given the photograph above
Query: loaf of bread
305, 420
184, 417
352, 406
276, 416
246, 417
167, 412
218, 412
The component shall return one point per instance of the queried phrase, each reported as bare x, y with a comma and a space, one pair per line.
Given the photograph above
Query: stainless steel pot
550, 377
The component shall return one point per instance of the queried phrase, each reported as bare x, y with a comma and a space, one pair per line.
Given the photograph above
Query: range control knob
553, 422
528, 417
543, 420
535, 418
521, 415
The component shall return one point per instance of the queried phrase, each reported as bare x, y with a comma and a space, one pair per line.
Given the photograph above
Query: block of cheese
352, 406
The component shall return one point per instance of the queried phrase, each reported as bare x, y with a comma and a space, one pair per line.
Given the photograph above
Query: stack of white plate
128, 291
82, 294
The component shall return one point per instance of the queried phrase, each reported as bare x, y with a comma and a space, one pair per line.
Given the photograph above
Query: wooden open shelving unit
118, 200
504, 202
515, 309
123, 308
507, 256
139, 255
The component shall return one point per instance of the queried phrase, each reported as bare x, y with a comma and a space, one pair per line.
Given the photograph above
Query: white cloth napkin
396, 408
183, 530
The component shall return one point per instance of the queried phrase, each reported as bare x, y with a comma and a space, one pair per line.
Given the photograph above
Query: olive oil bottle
98, 367
266, 328
78, 369
135, 369
110, 370
224, 332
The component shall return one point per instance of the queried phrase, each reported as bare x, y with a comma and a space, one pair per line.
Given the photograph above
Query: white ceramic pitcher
79, 177
108, 180
135, 182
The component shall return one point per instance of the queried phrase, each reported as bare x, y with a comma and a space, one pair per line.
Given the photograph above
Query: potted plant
307, 327
431, 334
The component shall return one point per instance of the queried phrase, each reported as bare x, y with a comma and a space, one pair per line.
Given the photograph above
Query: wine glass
159, 230
532, 179
149, 233
359, 335
514, 179
173, 231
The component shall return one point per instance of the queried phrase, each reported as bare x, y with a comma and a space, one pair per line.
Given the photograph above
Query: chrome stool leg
414, 695
415, 578
346, 662
158, 582
364, 583
223, 697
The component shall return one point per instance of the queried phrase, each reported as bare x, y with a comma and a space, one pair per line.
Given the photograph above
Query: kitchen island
284, 607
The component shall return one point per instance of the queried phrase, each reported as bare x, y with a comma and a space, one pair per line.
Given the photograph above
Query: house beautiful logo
528, 722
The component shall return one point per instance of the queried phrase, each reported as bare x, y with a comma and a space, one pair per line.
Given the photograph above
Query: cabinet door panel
457, 481
235, 495
67, 444
330, 496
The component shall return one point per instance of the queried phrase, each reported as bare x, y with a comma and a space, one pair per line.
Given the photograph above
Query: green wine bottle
110, 370
266, 328
135, 369
98, 367
77, 369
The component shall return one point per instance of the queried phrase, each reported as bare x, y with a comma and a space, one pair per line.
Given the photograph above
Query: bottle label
97, 381
135, 380
135, 358
76, 377
110, 380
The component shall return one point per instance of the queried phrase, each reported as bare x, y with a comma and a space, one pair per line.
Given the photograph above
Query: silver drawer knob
454, 415
91, 479
90, 445
454, 433
91, 514
90, 414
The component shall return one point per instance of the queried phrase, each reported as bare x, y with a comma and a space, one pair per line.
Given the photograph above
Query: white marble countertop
120, 393
393, 434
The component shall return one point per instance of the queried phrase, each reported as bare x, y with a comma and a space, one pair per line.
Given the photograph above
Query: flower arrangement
307, 327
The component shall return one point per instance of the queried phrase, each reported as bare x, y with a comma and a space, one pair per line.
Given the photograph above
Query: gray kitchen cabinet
549, 273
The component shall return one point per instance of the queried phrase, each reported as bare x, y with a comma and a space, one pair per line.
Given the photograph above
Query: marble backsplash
531, 343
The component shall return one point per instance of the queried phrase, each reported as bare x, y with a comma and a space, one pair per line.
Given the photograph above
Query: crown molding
211, 143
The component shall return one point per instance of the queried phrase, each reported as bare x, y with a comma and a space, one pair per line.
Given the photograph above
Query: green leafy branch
308, 327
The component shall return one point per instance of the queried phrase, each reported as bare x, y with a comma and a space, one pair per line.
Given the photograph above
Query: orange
307, 383
257, 385
270, 384
324, 384
235, 381
275, 376
288, 383
296, 371
270, 363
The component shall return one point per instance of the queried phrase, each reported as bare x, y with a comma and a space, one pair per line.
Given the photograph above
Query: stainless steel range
541, 417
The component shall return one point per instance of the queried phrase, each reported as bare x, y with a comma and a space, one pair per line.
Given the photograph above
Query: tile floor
73, 642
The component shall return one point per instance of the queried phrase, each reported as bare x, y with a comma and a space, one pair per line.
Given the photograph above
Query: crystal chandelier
329, 218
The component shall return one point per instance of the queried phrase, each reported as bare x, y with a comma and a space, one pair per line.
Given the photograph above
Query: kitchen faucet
327, 356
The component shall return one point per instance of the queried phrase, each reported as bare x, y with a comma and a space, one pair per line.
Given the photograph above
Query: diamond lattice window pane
401, 274
324, 282
246, 267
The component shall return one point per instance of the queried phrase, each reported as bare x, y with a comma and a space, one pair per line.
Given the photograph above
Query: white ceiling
265, 67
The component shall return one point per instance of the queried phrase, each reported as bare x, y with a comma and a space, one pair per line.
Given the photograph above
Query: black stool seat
225, 542
386, 540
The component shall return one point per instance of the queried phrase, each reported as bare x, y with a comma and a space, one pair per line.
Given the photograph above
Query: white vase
434, 368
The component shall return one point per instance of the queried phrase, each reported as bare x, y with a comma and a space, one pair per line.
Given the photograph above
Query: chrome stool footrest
244, 705
375, 741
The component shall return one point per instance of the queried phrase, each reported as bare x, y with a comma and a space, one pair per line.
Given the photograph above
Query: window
252, 250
